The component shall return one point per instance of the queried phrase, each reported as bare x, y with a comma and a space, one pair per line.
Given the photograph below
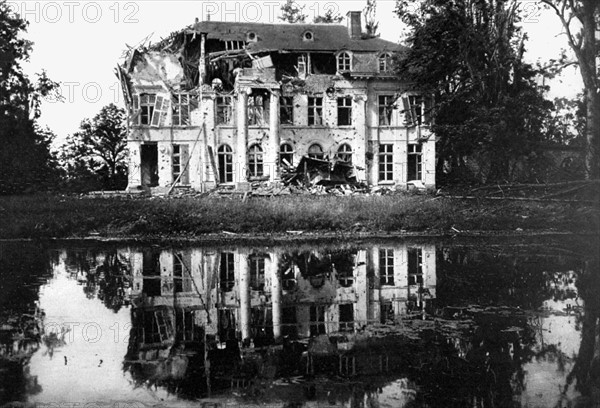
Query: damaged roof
326, 37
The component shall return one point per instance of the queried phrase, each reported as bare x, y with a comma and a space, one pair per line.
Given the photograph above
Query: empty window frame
255, 161
257, 272
286, 110
344, 110
224, 110
227, 271
144, 103
385, 61
315, 111
344, 153
225, 159
179, 161
386, 267
258, 112
181, 110
315, 151
386, 162
413, 110
286, 154
344, 62
415, 162
234, 45
182, 281
386, 108
415, 266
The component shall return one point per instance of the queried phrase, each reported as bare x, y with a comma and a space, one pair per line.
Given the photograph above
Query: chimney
354, 28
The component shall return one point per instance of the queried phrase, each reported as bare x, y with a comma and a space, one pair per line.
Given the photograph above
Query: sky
79, 43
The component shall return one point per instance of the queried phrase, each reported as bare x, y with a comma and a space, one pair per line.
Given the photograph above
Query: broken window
224, 110
181, 280
344, 153
386, 267
385, 60
144, 103
415, 266
181, 110
286, 154
257, 272
315, 111
386, 160
179, 162
413, 109
386, 107
255, 161
415, 165
347, 317
344, 110
317, 320
286, 110
227, 272
315, 151
258, 111
302, 66
159, 115
323, 63
344, 62
232, 45
225, 157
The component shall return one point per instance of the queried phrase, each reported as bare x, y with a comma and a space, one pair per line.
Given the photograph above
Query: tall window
227, 271
344, 110
257, 272
415, 162
224, 110
255, 161
315, 151
286, 110
415, 266
344, 153
258, 112
181, 110
386, 162
386, 107
182, 281
179, 162
286, 154
225, 164
344, 62
145, 104
315, 111
385, 60
386, 267
413, 110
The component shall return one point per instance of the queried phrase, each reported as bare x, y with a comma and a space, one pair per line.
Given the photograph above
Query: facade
227, 104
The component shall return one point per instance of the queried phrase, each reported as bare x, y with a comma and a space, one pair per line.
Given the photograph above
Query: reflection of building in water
259, 296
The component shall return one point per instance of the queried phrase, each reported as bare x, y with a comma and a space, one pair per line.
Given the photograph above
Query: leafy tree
329, 17
469, 55
25, 158
96, 155
291, 12
371, 24
579, 19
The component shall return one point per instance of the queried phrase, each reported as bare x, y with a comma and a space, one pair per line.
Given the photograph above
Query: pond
479, 322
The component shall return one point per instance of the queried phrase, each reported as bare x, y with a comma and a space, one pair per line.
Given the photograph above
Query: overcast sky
80, 42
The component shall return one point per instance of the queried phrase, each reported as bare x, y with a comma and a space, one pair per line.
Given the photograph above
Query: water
412, 323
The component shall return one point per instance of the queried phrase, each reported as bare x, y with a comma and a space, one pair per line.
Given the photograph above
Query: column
244, 297
242, 135
276, 296
273, 152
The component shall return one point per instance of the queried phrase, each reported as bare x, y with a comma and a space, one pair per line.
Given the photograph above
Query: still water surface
486, 323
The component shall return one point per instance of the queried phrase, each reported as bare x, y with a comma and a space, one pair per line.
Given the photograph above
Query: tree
579, 19
371, 23
292, 13
96, 155
469, 55
25, 158
329, 18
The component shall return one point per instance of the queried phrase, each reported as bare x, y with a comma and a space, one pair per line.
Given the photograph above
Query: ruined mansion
227, 104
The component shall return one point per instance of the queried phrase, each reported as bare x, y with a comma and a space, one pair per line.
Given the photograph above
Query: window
286, 155
344, 109
385, 62
257, 110
182, 281
225, 157
227, 272
415, 162
145, 104
181, 110
415, 266
179, 163
161, 108
347, 317
386, 107
308, 36
344, 153
315, 111
255, 161
257, 272
234, 45
386, 267
302, 66
386, 166
317, 320
315, 151
286, 110
344, 62
413, 109
251, 36
224, 110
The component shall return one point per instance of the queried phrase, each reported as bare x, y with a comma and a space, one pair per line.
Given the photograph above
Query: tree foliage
329, 18
488, 108
291, 12
95, 156
371, 23
25, 160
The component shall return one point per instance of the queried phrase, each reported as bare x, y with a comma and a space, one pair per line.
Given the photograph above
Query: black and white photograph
300, 204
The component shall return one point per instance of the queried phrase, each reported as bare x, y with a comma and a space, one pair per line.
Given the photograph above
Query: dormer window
251, 36
308, 36
385, 60
344, 61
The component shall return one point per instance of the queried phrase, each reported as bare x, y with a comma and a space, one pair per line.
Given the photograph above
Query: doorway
149, 166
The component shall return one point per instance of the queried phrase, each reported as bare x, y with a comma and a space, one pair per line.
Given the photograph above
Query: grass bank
43, 216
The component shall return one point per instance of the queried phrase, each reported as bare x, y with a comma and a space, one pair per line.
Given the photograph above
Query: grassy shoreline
53, 216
